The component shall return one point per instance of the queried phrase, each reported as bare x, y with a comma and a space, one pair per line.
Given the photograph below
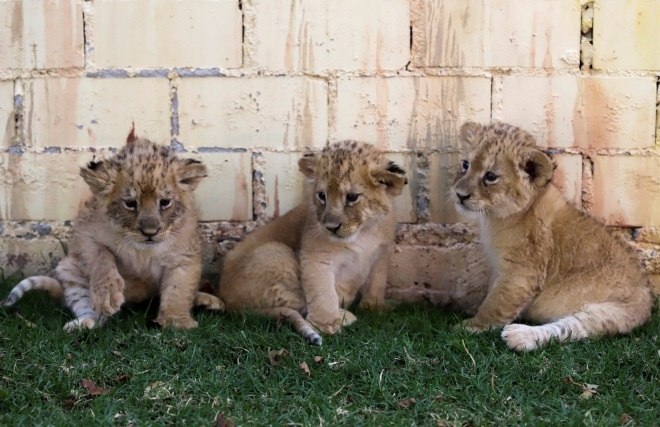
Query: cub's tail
296, 320
43, 283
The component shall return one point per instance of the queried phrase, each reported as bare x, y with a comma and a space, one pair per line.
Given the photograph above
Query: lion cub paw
474, 326
333, 326
208, 301
520, 337
108, 297
180, 322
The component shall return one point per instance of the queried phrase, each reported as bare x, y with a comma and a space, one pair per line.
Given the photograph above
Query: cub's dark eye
490, 178
352, 198
130, 204
321, 196
165, 203
464, 166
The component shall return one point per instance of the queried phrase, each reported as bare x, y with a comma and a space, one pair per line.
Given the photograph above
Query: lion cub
552, 264
136, 237
320, 256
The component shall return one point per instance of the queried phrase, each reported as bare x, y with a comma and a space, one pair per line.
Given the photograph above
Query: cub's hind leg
296, 320
607, 318
78, 300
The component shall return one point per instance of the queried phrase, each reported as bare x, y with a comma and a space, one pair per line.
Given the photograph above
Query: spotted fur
134, 238
552, 264
318, 258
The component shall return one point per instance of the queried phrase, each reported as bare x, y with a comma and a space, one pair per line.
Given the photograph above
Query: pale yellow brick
41, 34
496, 33
409, 112
543, 106
42, 186
626, 35
226, 193
626, 190
84, 112
328, 35
284, 182
615, 112
27, 257
279, 112
588, 112
443, 170
7, 122
568, 177
167, 33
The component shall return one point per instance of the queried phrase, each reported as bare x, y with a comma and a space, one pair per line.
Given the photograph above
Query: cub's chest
145, 266
354, 262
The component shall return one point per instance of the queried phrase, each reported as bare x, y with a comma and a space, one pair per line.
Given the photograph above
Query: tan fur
552, 264
137, 236
320, 256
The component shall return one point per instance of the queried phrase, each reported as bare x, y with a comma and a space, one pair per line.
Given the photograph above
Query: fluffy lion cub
552, 264
136, 237
320, 256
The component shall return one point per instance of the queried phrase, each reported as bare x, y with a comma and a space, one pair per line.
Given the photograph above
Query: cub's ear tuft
100, 176
307, 165
469, 133
538, 167
190, 172
391, 176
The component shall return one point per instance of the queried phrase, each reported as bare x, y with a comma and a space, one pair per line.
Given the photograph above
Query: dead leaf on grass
406, 403
318, 359
625, 419
158, 390
275, 356
305, 369
68, 404
588, 390
221, 421
93, 389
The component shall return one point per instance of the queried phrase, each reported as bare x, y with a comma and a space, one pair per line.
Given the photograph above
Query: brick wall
249, 85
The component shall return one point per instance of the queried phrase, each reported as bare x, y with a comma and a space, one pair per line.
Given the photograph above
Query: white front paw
520, 337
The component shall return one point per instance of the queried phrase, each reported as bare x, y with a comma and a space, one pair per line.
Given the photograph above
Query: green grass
403, 368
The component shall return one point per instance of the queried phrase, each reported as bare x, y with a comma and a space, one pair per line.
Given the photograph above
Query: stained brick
568, 177
280, 112
41, 186
409, 112
7, 123
588, 112
167, 33
496, 33
328, 35
626, 35
443, 170
41, 34
226, 193
284, 182
82, 112
626, 190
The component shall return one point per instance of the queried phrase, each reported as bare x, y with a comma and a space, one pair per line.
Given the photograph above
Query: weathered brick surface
41, 34
411, 112
282, 113
7, 122
226, 193
496, 33
284, 182
41, 186
568, 177
618, 49
95, 112
443, 169
615, 112
626, 190
328, 35
167, 33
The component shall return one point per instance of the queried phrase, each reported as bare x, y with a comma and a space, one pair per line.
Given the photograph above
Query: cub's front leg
373, 292
323, 311
178, 289
106, 286
511, 293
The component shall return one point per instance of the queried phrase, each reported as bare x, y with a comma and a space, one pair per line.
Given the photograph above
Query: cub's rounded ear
469, 132
538, 167
190, 172
307, 165
392, 176
100, 176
